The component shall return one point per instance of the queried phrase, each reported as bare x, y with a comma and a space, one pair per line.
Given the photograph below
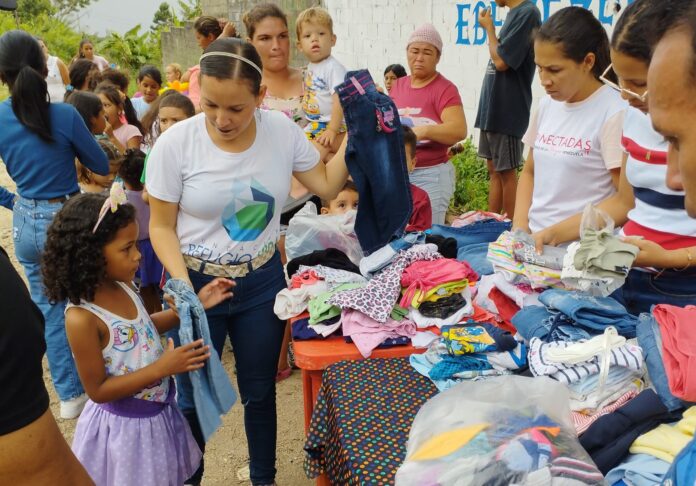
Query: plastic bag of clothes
501, 431
595, 219
309, 231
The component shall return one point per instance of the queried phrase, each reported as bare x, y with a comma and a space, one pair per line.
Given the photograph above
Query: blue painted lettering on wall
470, 33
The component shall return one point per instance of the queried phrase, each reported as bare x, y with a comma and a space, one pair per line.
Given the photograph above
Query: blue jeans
486, 231
537, 321
31, 219
649, 338
438, 181
256, 335
593, 314
376, 160
642, 290
472, 241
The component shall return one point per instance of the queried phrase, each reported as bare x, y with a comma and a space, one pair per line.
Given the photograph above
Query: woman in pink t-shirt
207, 30
431, 105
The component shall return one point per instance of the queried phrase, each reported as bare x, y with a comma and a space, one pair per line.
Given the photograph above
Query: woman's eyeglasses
612, 84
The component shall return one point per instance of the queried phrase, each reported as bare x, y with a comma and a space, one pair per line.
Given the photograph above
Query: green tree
31, 9
162, 18
132, 49
67, 7
61, 39
62, 9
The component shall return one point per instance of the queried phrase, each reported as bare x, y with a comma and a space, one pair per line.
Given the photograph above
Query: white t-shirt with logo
320, 80
575, 146
229, 203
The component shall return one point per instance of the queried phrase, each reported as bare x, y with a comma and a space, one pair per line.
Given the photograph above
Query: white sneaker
70, 409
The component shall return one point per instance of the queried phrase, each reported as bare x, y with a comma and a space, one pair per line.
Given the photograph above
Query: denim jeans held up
31, 219
376, 159
213, 394
256, 334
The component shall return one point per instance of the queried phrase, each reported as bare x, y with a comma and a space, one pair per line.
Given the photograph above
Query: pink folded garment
678, 330
367, 333
423, 275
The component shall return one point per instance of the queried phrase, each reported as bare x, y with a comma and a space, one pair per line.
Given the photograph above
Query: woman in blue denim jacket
217, 184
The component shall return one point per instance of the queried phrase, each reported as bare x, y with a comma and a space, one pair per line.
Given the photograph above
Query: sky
118, 15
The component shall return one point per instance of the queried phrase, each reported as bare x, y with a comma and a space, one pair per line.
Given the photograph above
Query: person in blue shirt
39, 142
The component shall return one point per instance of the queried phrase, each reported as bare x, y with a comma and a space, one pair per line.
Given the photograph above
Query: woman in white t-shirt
217, 184
58, 76
650, 213
575, 135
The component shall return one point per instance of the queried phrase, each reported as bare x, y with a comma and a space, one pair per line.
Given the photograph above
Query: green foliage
471, 187
132, 49
162, 18
61, 39
28, 10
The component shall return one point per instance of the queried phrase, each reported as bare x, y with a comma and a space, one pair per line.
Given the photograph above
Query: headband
116, 197
232, 55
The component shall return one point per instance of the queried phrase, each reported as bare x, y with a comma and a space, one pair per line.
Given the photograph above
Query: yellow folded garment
446, 443
666, 441
439, 292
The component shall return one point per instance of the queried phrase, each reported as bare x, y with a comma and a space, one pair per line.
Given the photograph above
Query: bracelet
689, 257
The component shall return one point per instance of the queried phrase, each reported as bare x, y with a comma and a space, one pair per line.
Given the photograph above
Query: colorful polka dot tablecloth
362, 418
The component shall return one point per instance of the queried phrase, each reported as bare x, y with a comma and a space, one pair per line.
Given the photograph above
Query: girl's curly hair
73, 262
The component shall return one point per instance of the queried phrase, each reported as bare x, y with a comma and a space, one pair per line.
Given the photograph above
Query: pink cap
426, 33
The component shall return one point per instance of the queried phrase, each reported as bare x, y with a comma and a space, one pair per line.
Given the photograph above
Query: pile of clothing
514, 257
470, 351
410, 285
485, 306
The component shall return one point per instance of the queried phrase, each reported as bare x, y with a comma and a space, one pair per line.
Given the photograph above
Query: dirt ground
226, 457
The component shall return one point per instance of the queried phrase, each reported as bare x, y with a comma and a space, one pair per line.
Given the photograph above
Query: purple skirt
134, 441
150, 271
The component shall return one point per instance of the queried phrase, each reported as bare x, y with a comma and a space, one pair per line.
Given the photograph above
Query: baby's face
344, 202
316, 41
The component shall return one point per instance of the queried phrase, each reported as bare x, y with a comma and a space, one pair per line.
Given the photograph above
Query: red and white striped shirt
659, 213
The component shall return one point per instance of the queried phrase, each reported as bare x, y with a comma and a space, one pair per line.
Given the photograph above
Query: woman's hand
188, 357
543, 237
228, 29
216, 291
652, 255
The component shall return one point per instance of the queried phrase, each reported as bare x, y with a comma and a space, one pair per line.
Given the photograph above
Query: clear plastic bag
501, 431
595, 219
309, 231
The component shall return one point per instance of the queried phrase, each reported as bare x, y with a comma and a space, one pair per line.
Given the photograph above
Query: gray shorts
504, 150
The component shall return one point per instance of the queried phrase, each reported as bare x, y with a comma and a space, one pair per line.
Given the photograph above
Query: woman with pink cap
431, 105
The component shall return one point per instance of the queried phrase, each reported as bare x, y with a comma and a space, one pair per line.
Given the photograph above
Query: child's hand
185, 358
219, 290
327, 138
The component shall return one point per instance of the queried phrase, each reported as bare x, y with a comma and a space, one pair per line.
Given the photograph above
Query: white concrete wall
373, 33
